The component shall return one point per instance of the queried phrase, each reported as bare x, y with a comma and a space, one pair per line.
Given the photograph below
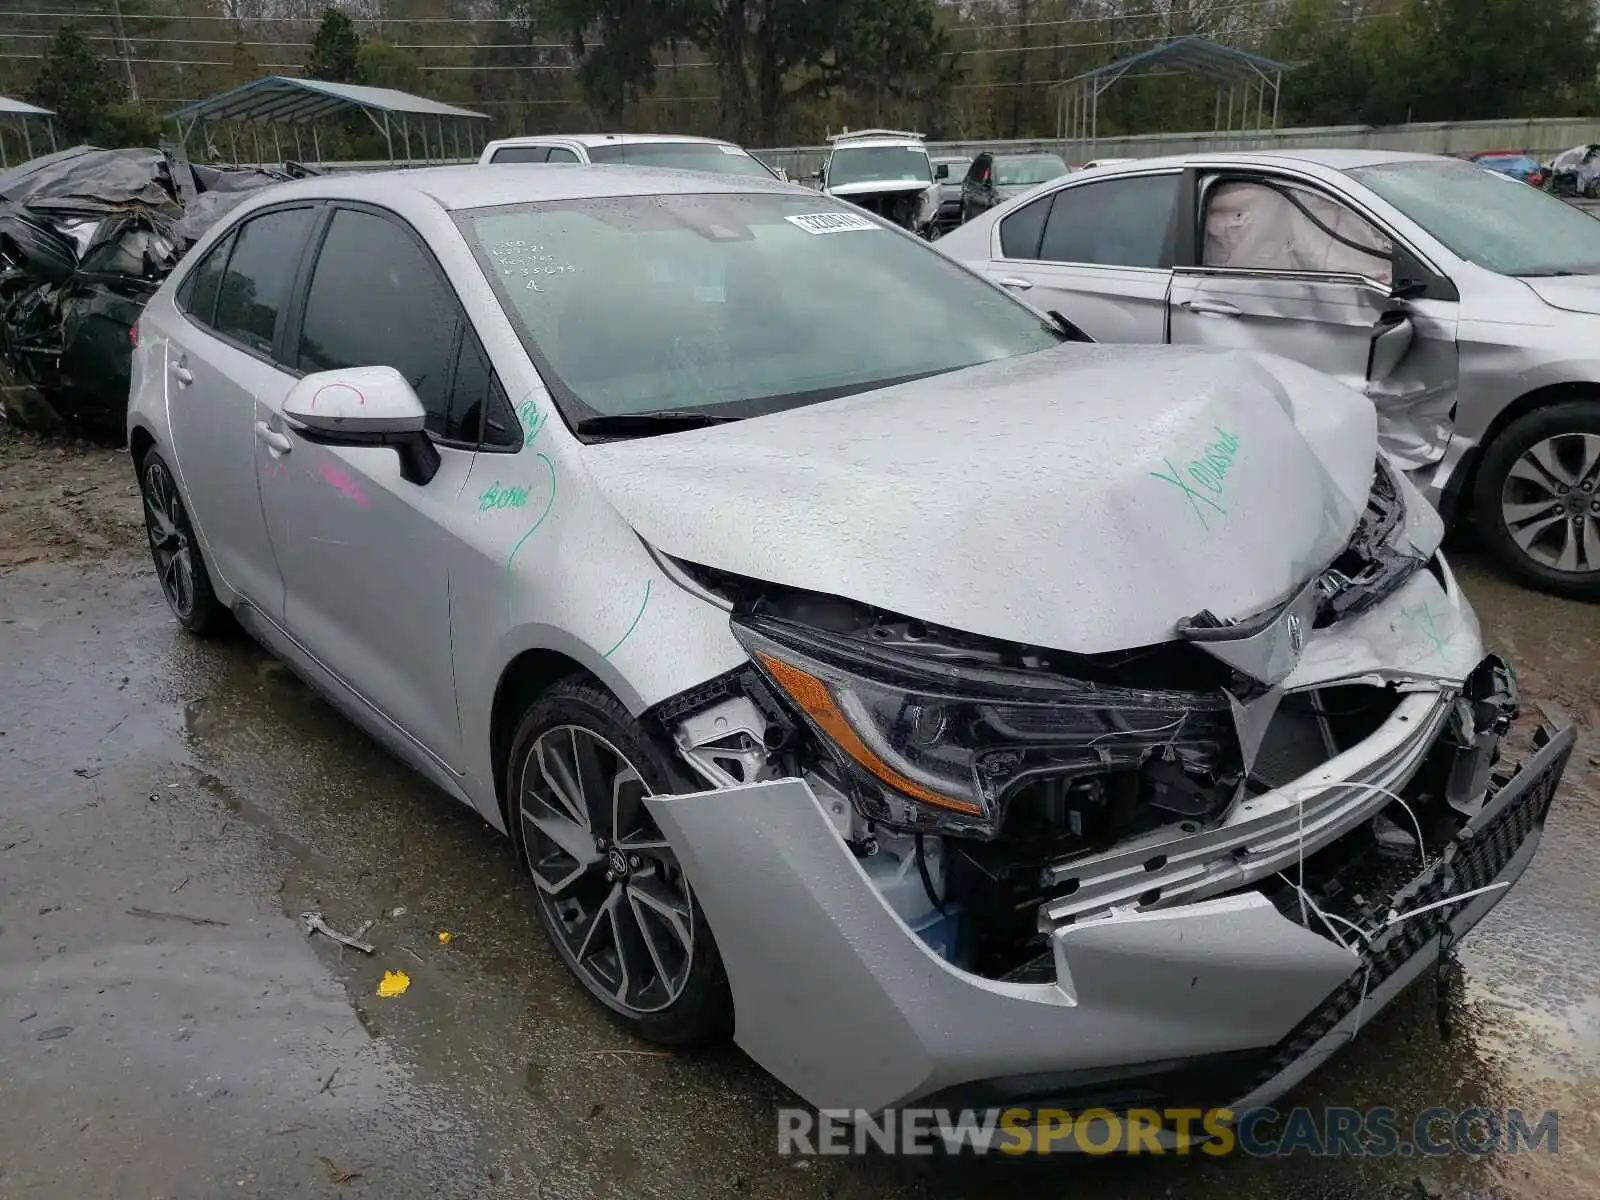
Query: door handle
274, 441
1212, 308
1016, 283
181, 373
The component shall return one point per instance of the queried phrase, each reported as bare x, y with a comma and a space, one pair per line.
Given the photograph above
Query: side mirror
942, 171
1391, 338
817, 174
364, 406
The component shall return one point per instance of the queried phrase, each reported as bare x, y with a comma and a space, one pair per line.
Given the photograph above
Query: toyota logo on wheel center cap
618, 862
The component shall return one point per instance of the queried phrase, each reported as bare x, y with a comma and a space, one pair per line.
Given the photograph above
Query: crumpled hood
1574, 293
1084, 498
879, 187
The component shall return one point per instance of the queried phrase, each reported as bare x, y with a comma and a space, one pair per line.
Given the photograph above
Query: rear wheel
176, 551
610, 892
1538, 498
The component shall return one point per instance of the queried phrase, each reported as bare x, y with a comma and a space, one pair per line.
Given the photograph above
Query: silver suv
680, 151
855, 662
1468, 311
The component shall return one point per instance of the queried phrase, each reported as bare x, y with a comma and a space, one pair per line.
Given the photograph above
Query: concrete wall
1543, 136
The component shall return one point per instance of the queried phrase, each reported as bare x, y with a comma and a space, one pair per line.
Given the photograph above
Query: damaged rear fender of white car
961, 869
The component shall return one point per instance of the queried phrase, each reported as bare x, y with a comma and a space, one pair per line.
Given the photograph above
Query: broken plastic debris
446, 937
398, 912
394, 983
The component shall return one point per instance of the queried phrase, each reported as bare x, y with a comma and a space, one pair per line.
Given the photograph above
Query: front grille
1473, 860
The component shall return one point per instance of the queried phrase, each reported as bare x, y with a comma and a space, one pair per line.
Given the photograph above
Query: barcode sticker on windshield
830, 222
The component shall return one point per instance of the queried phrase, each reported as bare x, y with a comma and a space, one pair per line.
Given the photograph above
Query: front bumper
1219, 1001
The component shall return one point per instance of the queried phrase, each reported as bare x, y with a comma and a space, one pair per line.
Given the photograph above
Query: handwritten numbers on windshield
529, 262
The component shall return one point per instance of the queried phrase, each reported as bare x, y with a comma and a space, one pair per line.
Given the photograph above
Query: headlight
937, 745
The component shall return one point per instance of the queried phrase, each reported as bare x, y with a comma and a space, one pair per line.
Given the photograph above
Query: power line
77, 14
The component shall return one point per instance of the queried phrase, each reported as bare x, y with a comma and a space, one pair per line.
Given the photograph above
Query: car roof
493, 184
855, 143
608, 139
1337, 159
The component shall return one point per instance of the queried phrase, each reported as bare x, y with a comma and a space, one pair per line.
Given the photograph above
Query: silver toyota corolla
946, 708
1469, 312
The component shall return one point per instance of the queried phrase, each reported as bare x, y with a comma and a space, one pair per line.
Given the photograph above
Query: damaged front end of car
961, 871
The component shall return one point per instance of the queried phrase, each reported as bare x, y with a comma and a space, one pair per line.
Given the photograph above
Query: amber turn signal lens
811, 694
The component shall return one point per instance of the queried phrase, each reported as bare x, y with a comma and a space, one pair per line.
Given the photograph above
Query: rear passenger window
265, 254
377, 300
520, 154
1118, 223
562, 154
197, 295
1021, 231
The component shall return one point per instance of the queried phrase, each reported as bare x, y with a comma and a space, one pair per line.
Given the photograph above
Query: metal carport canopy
23, 112
1189, 55
283, 99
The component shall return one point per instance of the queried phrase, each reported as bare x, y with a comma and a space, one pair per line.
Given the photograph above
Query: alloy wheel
607, 879
1550, 502
170, 542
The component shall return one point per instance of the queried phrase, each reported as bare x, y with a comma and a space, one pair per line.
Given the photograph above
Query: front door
1288, 269
364, 553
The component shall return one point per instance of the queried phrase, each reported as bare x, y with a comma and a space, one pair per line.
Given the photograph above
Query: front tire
1537, 499
610, 893
180, 568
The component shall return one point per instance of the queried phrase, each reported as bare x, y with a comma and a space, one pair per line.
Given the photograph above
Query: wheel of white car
609, 889
180, 568
1538, 498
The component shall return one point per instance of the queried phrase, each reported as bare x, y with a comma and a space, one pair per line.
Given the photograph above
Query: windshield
732, 304
1515, 231
879, 164
1024, 172
711, 157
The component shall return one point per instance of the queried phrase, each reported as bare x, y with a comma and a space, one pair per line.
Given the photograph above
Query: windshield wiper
1065, 328
665, 421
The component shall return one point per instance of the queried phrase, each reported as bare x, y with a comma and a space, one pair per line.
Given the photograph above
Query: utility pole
1024, 40
122, 48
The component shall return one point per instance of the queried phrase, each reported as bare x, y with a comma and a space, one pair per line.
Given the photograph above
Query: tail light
133, 336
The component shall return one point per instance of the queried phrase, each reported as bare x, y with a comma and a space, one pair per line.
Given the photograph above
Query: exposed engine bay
906, 209
994, 793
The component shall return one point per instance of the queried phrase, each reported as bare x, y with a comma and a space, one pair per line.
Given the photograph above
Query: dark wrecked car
86, 237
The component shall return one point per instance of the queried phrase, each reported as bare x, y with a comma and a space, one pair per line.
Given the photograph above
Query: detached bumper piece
1497, 842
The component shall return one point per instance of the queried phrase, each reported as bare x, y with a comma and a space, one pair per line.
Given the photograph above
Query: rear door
364, 553
1282, 265
1099, 252
221, 334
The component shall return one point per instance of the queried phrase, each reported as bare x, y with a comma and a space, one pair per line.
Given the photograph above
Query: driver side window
1261, 225
376, 298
